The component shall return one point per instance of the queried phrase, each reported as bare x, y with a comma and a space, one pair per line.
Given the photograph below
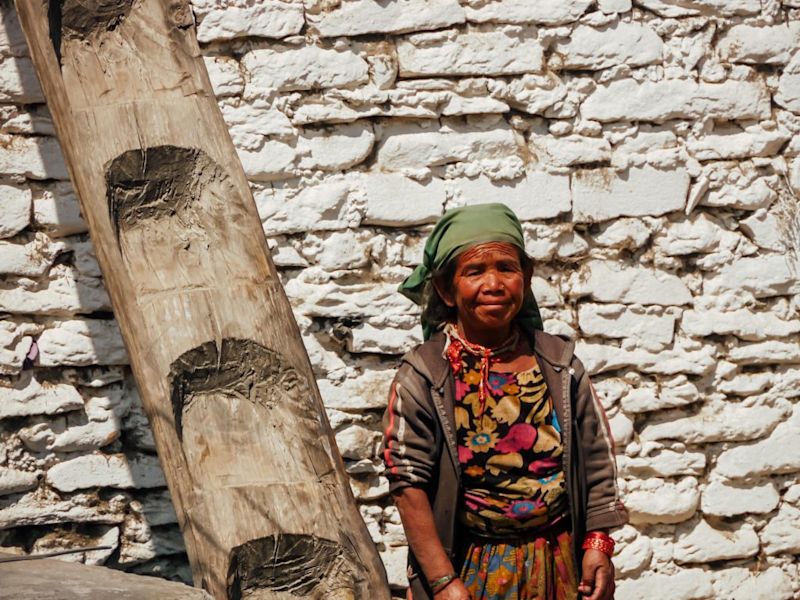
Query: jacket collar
431, 362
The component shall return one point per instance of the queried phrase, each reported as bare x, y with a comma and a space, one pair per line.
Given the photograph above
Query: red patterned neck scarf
457, 345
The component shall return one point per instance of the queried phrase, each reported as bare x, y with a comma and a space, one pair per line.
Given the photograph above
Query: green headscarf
460, 229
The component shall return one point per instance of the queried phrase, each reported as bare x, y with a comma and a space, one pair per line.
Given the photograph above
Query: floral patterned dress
515, 503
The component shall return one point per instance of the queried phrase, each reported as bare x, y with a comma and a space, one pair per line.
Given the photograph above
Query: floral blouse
509, 450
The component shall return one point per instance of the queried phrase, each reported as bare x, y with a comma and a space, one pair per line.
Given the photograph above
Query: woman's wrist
599, 540
437, 585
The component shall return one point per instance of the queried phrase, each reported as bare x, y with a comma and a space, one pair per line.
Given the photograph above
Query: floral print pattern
509, 450
541, 568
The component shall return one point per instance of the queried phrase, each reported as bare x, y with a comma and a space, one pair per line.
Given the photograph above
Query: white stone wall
650, 150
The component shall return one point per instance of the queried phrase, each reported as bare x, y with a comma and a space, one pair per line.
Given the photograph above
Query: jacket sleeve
409, 435
604, 509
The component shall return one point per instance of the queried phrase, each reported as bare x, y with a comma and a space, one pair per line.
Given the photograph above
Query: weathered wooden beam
258, 486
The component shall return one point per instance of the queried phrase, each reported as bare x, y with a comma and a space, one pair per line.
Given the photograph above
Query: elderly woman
498, 452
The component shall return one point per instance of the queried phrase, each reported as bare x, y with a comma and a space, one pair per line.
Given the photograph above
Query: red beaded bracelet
597, 540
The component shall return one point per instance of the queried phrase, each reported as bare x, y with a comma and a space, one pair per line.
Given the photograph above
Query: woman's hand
598, 576
454, 591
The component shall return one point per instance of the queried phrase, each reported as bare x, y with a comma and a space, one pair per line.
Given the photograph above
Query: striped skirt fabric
538, 568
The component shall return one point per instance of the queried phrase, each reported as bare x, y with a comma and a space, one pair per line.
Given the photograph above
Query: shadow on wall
78, 466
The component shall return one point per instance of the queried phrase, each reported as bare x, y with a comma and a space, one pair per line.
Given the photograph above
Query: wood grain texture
258, 486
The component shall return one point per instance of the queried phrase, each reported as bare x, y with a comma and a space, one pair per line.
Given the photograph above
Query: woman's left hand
598, 576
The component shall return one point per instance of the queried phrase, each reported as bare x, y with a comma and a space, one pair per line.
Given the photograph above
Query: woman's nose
491, 281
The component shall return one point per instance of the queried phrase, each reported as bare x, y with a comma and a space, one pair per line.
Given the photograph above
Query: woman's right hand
454, 591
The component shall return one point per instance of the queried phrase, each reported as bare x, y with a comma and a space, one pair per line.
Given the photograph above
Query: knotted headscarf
458, 230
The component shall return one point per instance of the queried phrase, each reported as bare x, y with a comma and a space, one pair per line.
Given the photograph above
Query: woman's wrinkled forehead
480, 251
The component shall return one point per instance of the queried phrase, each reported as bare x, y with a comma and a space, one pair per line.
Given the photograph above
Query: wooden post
258, 486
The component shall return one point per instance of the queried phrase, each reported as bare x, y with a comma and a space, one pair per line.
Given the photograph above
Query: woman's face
488, 287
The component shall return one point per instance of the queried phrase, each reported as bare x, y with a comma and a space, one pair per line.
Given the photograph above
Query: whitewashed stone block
628, 100
81, 343
101, 470
13, 481
395, 559
355, 301
763, 228
612, 281
330, 205
249, 123
400, 201
357, 442
694, 8
56, 211
534, 93
658, 501
546, 12
413, 148
369, 391
18, 81
480, 53
33, 259
92, 436
614, 6
717, 422
335, 149
272, 161
30, 397
302, 68
570, 150
382, 340
782, 534
226, 78
33, 157
788, 93
746, 384
603, 194
764, 276
672, 394
769, 352
537, 195
735, 143
141, 544
599, 358
743, 323
742, 584
722, 500
620, 43
633, 557
66, 292
12, 40
270, 19
688, 584
359, 17
15, 210
772, 45
705, 544
754, 196
779, 453
695, 234
621, 321
667, 463
43, 507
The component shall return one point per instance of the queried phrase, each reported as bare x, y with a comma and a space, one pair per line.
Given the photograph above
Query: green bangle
441, 583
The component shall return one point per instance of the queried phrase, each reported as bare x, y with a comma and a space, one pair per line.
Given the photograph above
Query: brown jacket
419, 445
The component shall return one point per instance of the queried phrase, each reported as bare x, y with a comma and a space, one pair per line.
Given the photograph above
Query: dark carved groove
156, 182
302, 565
241, 368
81, 18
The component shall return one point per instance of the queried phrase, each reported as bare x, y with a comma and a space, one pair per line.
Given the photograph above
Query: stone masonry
651, 148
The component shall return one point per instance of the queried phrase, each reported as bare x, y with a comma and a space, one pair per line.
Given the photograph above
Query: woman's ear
444, 289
